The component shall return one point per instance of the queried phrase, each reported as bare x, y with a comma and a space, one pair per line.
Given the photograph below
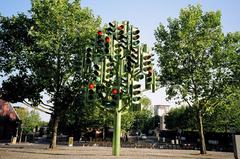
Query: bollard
236, 146
14, 140
176, 142
163, 139
70, 141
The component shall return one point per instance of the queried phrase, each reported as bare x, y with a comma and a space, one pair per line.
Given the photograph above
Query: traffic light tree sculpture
116, 62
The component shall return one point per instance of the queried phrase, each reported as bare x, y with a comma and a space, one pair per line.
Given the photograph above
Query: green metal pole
117, 130
117, 114
114, 134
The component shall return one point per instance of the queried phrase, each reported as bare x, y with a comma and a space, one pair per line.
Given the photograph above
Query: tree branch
102, 107
187, 102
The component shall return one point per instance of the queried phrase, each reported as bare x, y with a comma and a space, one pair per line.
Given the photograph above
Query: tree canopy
181, 118
198, 63
223, 118
42, 55
29, 119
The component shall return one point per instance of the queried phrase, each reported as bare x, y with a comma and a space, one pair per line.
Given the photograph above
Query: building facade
9, 121
161, 111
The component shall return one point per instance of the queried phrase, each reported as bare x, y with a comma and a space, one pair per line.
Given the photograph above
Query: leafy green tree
137, 120
141, 120
58, 33
14, 45
29, 120
81, 117
14, 40
173, 119
62, 34
32, 120
152, 123
127, 121
180, 118
198, 63
224, 117
145, 102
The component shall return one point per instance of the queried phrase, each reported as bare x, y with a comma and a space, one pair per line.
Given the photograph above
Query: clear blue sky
146, 15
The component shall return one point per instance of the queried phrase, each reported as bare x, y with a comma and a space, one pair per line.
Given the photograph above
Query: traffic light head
109, 70
128, 67
101, 92
135, 31
107, 39
117, 49
154, 82
115, 97
99, 42
148, 80
136, 92
114, 91
89, 56
146, 62
99, 33
97, 72
124, 85
91, 86
82, 94
120, 27
122, 36
135, 55
112, 28
107, 44
91, 92
139, 76
97, 67
135, 36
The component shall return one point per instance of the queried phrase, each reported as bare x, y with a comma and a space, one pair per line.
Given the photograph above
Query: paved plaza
41, 151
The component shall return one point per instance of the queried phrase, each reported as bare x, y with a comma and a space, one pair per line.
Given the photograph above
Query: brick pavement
40, 151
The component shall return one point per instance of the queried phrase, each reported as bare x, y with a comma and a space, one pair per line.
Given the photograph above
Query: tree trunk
201, 134
25, 140
20, 136
53, 143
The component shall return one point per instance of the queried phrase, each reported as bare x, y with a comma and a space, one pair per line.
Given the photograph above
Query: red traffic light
120, 27
91, 86
114, 91
100, 33
107, 39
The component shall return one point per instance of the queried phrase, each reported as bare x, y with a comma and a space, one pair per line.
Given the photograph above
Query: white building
161, 110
